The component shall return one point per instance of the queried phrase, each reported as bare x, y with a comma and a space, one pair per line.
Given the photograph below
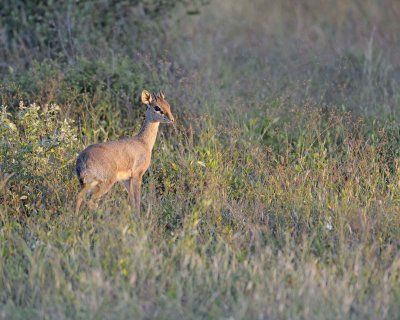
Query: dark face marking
158, 109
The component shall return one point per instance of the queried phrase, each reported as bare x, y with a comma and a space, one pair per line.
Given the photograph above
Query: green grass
277, 198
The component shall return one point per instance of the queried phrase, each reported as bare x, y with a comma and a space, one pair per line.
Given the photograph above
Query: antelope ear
161, 94
146, 97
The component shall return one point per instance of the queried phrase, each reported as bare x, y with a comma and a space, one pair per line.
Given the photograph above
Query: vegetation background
278, 197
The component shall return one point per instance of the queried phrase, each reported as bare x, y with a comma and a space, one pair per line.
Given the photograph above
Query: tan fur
99, 166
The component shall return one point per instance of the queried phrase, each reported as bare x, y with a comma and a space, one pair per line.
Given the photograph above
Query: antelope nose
171, 118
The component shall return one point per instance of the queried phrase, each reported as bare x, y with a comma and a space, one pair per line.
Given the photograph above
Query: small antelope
99, 166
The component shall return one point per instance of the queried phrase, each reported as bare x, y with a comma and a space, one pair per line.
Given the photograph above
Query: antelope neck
148, 132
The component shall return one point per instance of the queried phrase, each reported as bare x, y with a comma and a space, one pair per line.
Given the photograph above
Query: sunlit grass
278, 197
232, 225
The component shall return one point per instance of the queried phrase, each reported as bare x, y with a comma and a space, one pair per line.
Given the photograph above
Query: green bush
38, 148
62, 30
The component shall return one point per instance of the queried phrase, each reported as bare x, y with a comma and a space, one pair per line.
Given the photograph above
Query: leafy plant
37, 148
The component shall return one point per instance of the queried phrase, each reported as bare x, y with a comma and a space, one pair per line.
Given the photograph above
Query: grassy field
277, 198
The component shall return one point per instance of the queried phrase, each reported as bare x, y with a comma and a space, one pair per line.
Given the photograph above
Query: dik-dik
100, 165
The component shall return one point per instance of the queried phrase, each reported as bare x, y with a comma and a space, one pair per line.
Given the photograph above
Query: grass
278, 196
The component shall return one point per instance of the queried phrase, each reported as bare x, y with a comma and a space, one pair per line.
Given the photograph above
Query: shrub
38, 148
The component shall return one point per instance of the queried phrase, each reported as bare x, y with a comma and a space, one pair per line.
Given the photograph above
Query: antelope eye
158, 109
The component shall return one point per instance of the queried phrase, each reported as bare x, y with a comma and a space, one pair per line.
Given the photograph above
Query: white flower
329, 226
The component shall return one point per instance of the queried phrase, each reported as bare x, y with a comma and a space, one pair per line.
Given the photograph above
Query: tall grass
278, 196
